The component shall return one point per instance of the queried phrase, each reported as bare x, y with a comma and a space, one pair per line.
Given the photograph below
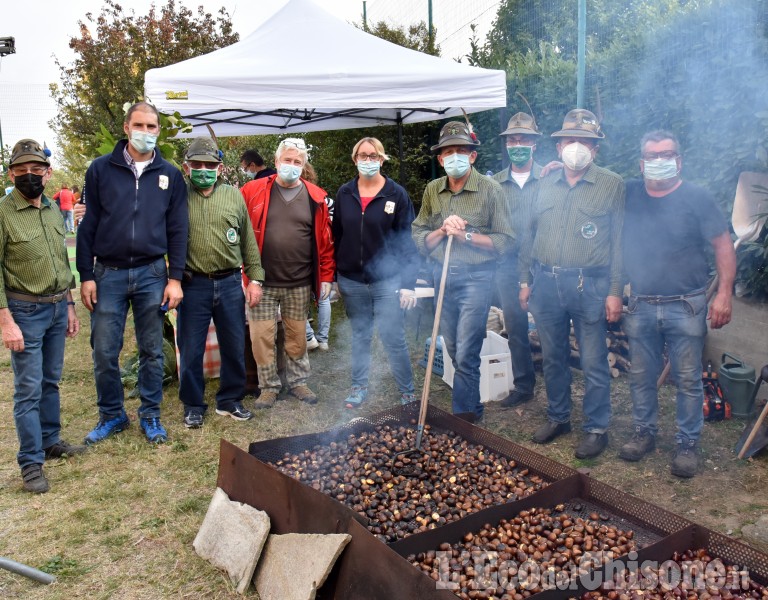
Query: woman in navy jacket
376, 266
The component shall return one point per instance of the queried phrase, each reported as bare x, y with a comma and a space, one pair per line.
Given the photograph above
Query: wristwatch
259, 283
468, 236
523, 285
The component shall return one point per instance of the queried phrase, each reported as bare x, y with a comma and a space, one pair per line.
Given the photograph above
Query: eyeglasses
365, 157
17, 171
199, 164
668, 155
295, 142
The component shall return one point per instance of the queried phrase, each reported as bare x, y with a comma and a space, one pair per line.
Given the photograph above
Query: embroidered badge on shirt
163, 182
389, 207
588, 230
231, 235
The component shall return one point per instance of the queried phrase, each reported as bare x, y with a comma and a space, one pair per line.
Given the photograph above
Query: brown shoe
34, 479
63, 449
266, 399
303, 393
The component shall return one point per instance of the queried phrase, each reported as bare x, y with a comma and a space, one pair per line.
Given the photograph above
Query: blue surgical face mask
143, 141
660, 169
368, 168
456, 165
288, 173
247, 173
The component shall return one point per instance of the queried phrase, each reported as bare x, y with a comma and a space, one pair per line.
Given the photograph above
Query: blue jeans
463, 325
69, 221
516, 324
143, 288
36, 375
377, 303
555, 301
323, 321
683, 326
224, 301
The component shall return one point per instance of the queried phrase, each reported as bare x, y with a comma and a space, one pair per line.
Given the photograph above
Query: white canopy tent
305, 70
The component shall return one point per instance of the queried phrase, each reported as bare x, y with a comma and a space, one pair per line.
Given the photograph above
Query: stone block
757, 534
232, 537
295, 565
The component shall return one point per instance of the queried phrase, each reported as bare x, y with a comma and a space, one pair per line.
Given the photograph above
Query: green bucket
738, 382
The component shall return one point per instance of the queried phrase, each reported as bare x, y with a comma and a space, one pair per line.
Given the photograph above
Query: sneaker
106, 427
238, 412
303, 393
407, 398
549, 431
312, 343
193, 420
62, 449
686, 459
515, 398
155, 432
34, 479
356, 397
266, 399
591, 445
322, 346
642, 443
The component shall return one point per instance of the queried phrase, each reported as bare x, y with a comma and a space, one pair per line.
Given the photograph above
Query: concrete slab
232, 537
295, 565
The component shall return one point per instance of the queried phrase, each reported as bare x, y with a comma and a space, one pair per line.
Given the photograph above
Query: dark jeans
556, 301
463, 326
142, 288
223, 301
516, 324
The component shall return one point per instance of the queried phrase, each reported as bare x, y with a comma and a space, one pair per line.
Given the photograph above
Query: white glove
325, 289
407, 299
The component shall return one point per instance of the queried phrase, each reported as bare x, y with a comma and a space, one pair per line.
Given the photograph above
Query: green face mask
202, 179
519, 155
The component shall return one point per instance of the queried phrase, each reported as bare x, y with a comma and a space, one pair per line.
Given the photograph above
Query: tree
114, 50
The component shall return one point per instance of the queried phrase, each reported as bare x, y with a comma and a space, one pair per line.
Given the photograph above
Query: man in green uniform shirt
574, 247
221, 240
37, 312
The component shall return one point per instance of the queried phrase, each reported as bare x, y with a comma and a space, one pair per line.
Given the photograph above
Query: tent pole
400, 150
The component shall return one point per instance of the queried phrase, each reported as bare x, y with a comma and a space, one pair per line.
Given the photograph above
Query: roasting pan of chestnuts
473, 515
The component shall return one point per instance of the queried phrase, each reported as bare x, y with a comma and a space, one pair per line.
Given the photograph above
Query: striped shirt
519, 201
579, 226
33, 253
480, 203
220, 233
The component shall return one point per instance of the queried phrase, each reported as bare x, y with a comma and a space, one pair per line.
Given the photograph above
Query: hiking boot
238, 412
106, 427
591, 445
356, 397
303, 393
407, 398
34, 479
515, 398
549, 431
193, 420
312, 343
686, 459
62, 449
155, 432
642, 443
266, 399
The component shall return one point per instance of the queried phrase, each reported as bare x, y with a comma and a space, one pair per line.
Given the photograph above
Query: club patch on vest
231, 235
588, 230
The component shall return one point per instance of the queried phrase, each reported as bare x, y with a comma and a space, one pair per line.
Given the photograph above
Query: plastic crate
437, 363
495, 368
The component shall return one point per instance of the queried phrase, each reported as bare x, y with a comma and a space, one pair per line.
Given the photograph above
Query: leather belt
52, 299
581, 271
666, 299
216, 274
461, 269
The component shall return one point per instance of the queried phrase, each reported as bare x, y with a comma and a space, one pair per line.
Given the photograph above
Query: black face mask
30, 185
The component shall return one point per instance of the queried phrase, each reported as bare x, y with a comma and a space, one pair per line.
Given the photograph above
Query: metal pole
365, 16
431, 31
20, 569
582, 54
400, 149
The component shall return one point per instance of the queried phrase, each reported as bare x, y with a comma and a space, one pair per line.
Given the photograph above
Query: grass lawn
120, 520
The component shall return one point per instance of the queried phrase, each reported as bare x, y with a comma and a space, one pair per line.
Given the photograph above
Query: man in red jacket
297, 256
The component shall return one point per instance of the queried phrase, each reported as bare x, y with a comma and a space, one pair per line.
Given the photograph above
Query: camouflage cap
203, 149
580, 123
521, 123
29, 151
455, 133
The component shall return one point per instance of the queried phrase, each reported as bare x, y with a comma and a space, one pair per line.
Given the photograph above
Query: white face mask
143, 141
456, 165
660, 169
288, 173
576, 156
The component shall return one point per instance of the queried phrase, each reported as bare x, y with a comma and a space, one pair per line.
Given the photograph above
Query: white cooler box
495, 368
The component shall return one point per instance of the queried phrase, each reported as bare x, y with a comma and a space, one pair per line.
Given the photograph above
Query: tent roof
305, 70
